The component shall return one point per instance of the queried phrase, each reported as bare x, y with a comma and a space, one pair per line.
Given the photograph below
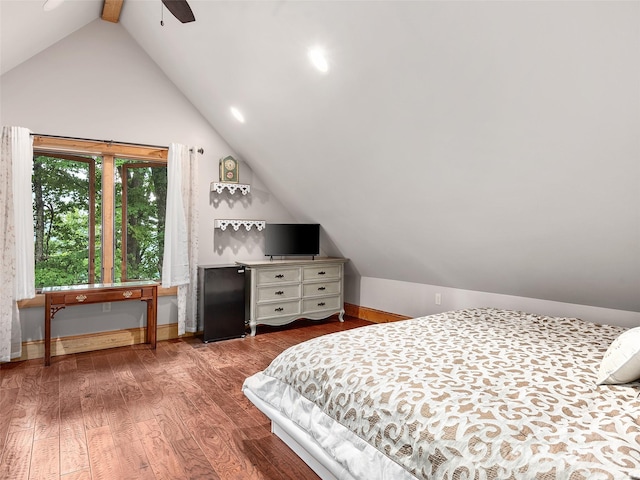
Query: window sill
38, 300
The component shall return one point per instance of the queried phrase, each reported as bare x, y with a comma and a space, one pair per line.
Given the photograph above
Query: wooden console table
57, 298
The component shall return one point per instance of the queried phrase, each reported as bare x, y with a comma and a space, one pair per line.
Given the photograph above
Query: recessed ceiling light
49, 5
319, 59
237, 114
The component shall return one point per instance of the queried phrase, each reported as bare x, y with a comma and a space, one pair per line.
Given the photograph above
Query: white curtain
180, 263
17, 272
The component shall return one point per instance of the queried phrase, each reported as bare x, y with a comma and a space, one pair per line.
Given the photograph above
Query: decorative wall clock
229, 170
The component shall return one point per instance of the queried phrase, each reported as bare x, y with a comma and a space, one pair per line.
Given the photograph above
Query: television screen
284, 239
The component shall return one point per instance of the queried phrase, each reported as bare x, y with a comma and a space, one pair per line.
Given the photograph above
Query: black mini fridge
221, 301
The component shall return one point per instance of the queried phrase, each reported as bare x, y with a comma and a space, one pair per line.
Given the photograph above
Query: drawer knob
81, 298
322, 288
279, 275
322, 273
279, 292
127, 294
321, 304
279, 309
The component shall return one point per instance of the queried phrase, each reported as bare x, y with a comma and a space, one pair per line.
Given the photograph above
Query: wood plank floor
133, 413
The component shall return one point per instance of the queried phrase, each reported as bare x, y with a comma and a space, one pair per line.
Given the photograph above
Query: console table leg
341, 316
47, 331
152, 319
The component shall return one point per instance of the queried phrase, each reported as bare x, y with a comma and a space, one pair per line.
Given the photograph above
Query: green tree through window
62, 219
68, 216
143, 190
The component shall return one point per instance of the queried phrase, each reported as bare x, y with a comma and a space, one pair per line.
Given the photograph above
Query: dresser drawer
278, 292
277, 275
285, 290
278, 309
321, 288
321, 303
321, 272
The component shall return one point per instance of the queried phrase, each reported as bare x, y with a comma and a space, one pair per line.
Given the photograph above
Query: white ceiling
27, 29
490, 146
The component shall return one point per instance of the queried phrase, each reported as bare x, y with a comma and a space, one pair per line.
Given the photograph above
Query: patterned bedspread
474, 394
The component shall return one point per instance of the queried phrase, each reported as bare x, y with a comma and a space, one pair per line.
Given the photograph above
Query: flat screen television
292, 239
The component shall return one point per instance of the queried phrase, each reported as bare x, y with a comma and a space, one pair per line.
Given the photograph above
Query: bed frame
301, 443
327, 464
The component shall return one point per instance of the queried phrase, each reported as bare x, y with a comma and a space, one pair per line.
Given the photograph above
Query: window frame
92, 201
108, 150
125, 204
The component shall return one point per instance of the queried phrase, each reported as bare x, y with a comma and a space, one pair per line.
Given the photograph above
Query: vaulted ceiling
491, 146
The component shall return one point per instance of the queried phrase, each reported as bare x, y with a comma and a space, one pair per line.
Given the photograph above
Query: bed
473, 394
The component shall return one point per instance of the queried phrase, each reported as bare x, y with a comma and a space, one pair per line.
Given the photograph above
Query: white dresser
281, 291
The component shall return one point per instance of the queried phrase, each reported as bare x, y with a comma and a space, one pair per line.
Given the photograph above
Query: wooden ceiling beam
111, 10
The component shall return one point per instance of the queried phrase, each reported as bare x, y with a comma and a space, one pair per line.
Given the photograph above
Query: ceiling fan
179, 8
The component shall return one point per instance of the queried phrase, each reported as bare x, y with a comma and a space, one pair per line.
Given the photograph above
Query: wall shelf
219, 187
236, 224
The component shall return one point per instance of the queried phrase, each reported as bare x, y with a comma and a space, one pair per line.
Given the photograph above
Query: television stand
281, 291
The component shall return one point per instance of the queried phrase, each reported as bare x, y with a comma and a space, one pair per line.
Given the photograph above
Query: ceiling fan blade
180, 9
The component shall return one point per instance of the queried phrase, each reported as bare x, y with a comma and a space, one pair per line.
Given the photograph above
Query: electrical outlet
438, 299
106, 307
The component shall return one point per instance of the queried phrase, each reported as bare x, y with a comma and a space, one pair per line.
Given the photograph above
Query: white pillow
621, 363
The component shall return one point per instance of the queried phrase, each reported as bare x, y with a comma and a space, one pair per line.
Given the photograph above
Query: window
99, 211
63, 214
143, 193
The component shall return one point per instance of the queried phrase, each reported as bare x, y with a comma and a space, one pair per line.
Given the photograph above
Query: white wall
99, 84
416, 300
488, 146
